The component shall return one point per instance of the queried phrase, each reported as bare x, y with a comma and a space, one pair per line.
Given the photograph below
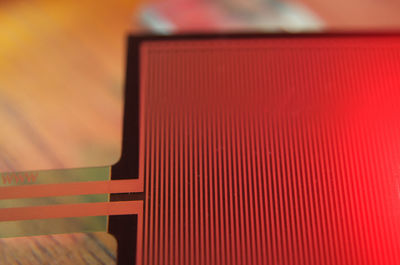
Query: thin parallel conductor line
327, 190
199, 167
152, 189
285, 201
226, 178
309, 190
202, 193
157, 169
345, 167
299, 190
245, 189
366, 192
168, 173
320, 196
318, 96
277, 177
251, 162
208, 237
181, 190
309, 169
166, 178
358, 182
221, 196
265, 153
250, 189
176, 187
342, 203
149, 160
297, 158
255, 177
227, 192
236, 189
260, 154
296, 209
183, 213
271, 190
146, 202
204, 242
210, 195
306, 227
159, 90
290, 214
307, 185
161, 201
242, 205
328, 177
215, 196
338, 228
218, 172
291, 203
196, 177
338, 212
352, 191
155, 166
279, 207
237, 174
192, 185
164, 123
255, 170
347, 164
315, 191
231, 190
285, 170
363, 173
186, 203
325, 201
178, 170
259, 190
302, 194
210, 202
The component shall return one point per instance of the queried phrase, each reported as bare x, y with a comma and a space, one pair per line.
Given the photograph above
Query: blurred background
62, 63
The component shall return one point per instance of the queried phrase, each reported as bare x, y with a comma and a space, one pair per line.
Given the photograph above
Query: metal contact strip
71, 210
70, 189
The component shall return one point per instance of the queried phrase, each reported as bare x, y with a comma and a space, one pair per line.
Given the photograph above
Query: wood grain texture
91, 248
61, 82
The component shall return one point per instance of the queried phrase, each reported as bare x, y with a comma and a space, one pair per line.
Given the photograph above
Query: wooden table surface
61, 82
76, 249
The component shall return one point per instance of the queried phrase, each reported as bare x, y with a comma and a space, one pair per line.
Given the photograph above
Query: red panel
271, 151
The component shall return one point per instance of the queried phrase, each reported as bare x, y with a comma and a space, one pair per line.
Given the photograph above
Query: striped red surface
271, 151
